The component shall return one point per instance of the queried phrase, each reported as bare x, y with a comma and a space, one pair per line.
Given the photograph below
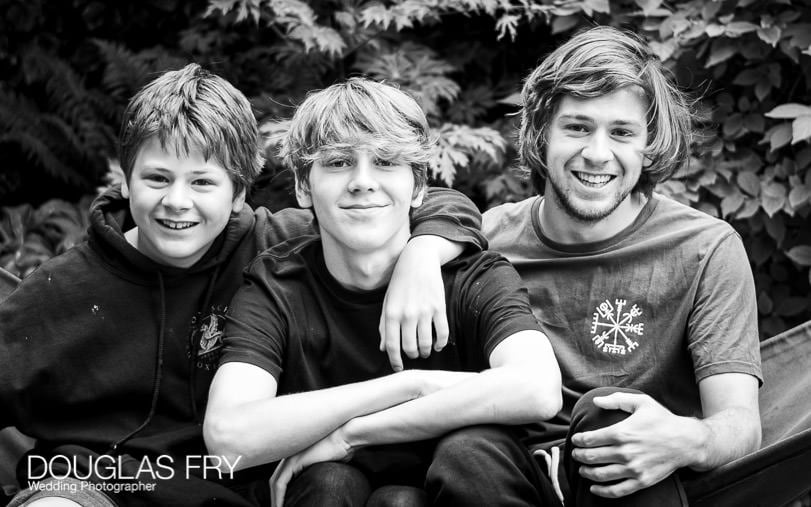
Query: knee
397, 496
587, 416
326, 483
466, 445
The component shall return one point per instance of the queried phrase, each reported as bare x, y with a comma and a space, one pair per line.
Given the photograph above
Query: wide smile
593, 180
175, 225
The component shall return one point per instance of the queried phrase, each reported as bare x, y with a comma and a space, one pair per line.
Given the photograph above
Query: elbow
223, 439
543, 395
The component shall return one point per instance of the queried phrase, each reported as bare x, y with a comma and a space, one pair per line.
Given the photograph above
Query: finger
278, 484
606, 473
597, 438
627, 402
618, 490
408, 328
425, 338
597, 455
390, 342
441, 327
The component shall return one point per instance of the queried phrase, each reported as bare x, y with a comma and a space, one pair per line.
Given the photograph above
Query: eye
155, 178
382, 162
577, 128
621, 132
203, 182
337, 162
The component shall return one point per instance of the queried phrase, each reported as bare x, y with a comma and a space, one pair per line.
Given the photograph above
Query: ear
416, 201
303, 195
125, 189
239, 201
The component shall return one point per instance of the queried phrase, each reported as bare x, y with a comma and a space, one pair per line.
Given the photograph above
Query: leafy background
68, 68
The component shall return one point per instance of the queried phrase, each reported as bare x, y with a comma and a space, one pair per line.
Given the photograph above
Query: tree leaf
720, 51
731, 203
800, 254
738, 28
801, 129
790, 307
780, 136
648, 6
798, 196
773, 197
789, 111
749, 182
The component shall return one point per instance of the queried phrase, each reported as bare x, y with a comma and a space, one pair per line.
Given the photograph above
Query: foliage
464, 61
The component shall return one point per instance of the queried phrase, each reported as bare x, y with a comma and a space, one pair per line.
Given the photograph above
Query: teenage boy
302, 377
646, 300
107, 351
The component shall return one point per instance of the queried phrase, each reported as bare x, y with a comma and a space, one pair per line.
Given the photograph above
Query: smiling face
361, 201
179, 203
594, 157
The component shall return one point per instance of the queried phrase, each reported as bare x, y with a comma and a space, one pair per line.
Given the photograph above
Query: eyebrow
582, 117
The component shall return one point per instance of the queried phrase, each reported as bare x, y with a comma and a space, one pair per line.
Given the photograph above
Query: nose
598, 149
177, 197
363, 177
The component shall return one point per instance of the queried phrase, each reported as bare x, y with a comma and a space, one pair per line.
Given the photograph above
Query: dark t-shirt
293, 319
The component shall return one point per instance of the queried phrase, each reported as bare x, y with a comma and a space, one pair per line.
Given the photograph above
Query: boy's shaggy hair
594, 63
192, 107
359, 113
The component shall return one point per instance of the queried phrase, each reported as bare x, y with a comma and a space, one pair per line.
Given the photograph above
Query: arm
522, 386
445, 224
245, 419
653, 442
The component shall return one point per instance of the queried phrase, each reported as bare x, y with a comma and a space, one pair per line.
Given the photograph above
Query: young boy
107, 351
302, 377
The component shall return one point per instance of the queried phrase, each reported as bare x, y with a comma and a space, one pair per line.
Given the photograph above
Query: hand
415, 299
637, 452
333, 447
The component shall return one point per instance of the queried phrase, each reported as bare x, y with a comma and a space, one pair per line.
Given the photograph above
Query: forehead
173, 157
625, 105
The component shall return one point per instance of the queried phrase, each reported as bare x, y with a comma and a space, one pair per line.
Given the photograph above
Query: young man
107, 351
302, 378
640, 295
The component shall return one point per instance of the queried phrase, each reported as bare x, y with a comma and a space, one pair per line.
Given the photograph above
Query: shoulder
501, 224
287, 258
688, 226
478, 268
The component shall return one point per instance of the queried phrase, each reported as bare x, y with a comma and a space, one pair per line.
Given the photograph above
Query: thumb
627, 402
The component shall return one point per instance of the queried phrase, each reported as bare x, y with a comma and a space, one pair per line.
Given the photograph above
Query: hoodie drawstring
156, 384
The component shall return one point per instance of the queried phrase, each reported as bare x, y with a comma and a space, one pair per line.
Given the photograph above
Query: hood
110, 218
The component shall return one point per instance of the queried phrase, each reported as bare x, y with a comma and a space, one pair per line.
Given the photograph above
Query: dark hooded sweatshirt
105, 352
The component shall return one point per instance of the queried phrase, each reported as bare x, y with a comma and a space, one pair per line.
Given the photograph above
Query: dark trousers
478, 465
587, 417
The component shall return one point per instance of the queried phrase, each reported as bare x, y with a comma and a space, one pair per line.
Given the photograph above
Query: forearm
724, 437
504, 395
269, 429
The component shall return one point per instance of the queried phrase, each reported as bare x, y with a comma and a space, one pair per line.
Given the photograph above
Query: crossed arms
245, 417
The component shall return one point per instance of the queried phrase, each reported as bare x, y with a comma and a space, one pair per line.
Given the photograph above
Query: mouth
593, 180
364, 206
175, 225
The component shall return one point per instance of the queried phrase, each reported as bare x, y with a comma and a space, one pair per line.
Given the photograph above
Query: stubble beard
586, 216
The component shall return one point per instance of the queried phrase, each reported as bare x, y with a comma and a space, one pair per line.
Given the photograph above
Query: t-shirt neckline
595, 246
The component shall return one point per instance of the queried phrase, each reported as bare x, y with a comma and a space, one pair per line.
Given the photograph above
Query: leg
398, 496
328, 484
483, 465
586, 416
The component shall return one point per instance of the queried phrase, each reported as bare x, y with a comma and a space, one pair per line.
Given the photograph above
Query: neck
362, 270
558, 225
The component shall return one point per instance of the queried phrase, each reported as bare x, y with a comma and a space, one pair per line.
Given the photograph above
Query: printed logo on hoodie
206, 337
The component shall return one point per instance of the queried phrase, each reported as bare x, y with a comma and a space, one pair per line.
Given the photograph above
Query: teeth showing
594, 179
177, 225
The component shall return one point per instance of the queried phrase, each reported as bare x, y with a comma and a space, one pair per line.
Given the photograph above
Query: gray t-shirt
660, 306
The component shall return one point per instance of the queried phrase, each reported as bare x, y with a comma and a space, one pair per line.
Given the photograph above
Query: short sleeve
494, 302
722, 327
255, 329
449, 214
